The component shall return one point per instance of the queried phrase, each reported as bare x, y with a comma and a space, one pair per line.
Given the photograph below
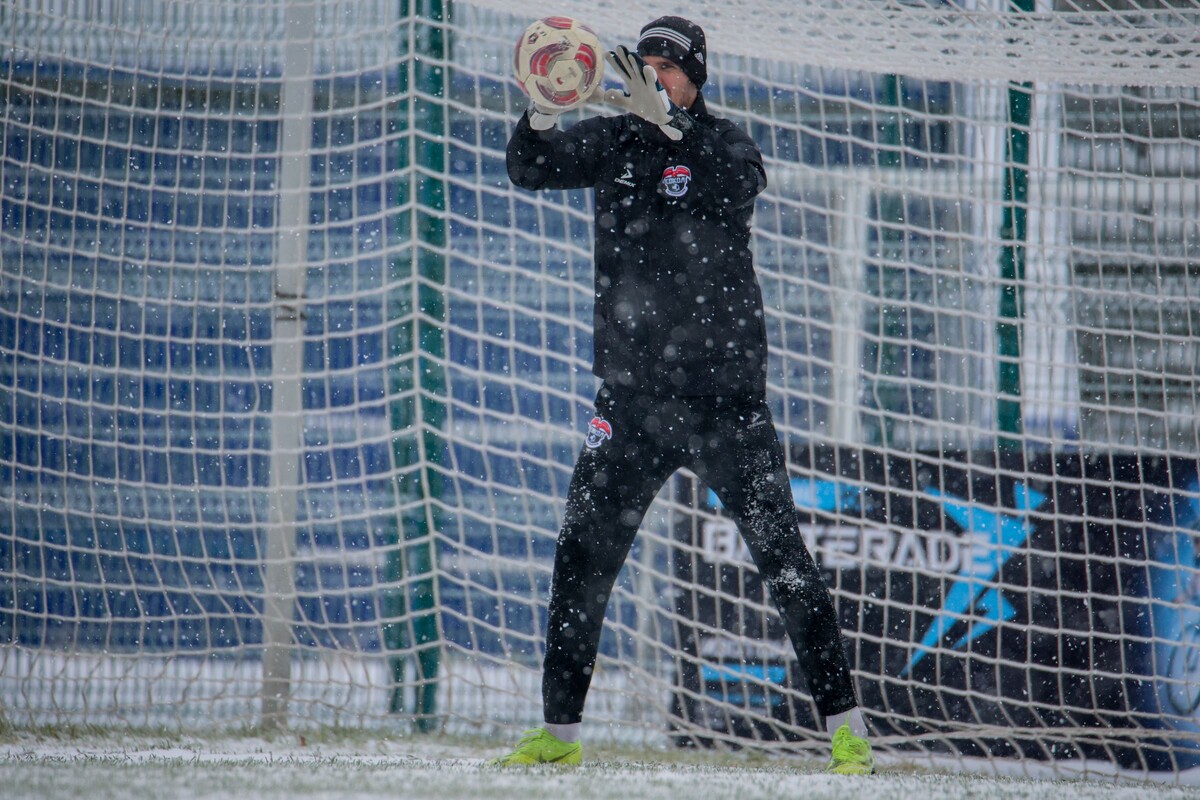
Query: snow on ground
291, 767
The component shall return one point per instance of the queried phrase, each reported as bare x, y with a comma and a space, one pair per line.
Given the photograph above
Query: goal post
418, 344
978, 254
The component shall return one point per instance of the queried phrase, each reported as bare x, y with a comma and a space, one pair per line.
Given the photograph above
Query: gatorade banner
1055, 593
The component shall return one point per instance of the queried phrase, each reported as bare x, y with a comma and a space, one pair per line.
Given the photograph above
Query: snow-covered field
90, 766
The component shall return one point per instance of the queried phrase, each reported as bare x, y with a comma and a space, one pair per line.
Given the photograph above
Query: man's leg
611, 487
616, 477
743, 462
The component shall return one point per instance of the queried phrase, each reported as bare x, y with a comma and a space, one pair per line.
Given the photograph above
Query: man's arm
556, 159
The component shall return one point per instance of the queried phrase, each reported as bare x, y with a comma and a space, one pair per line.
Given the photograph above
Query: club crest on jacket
675, 180
599, 430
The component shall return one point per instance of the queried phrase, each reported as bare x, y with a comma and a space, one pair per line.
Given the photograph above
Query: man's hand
543, 118
644, 95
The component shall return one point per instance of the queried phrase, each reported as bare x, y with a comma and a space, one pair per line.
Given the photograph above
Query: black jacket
678, 309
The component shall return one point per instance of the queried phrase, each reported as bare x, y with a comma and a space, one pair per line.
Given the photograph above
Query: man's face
679, 86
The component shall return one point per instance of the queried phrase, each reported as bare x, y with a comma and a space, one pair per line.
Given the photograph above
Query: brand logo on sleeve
626, 178
599, 431
675, 180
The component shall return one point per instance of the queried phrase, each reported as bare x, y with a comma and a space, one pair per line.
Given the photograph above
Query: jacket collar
698, 109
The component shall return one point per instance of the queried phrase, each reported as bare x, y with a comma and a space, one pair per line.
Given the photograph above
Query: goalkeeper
681, 351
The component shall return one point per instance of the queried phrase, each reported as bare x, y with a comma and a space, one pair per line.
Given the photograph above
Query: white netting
1150, 44
292, 378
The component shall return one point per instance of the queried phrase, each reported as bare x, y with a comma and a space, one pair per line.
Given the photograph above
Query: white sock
853, 718
564, 733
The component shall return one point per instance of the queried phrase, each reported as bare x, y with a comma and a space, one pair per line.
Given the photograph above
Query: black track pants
635, 443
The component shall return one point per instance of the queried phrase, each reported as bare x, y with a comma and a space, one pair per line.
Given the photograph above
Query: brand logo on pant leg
599, 430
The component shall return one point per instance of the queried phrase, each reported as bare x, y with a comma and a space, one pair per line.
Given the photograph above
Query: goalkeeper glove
644, 95
542, 119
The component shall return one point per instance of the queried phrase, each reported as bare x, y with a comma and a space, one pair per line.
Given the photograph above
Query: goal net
292, 378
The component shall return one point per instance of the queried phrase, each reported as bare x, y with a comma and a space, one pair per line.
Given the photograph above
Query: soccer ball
559, 63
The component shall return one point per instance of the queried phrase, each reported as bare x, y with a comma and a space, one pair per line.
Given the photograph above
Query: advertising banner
1061, 592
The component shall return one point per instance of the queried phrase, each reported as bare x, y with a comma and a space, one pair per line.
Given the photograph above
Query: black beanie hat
679, 40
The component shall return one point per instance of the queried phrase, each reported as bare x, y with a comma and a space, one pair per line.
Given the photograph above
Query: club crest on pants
599, 430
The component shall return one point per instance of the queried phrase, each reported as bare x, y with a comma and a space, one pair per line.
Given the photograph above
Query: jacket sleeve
733, 173
556, 159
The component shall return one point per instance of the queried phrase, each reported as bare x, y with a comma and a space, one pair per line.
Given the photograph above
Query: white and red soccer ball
559, 63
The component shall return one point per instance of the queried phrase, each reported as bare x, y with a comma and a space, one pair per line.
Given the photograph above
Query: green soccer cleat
851, 754
538, 746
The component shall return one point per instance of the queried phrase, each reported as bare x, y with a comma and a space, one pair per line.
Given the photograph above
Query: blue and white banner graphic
973, 588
